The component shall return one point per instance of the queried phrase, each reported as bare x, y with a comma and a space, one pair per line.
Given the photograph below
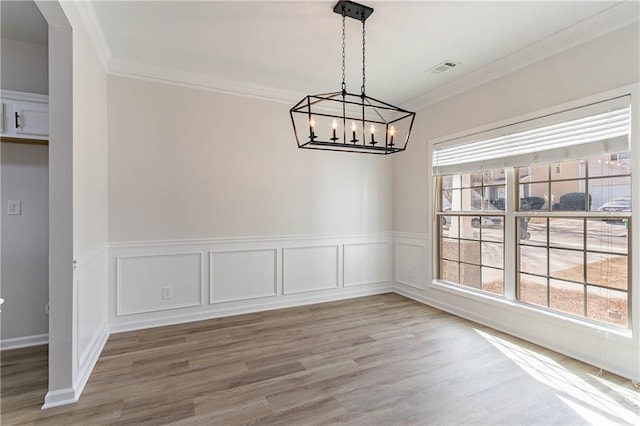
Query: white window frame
509, 301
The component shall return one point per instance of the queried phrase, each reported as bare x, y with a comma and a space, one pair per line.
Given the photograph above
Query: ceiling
287, 49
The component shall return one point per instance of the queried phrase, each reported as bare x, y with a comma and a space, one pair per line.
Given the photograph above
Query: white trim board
59, 398
258, 305
205, 242
91, 23
24, 342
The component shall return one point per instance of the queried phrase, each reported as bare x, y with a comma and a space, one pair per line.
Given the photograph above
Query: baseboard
67, 396
84, 372
508, 328
59, 397
24, 342
266, 305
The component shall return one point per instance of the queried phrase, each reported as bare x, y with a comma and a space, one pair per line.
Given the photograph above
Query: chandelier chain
344, 84
364, 78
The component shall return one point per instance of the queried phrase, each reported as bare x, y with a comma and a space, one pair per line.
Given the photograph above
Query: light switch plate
167, 293
14, 207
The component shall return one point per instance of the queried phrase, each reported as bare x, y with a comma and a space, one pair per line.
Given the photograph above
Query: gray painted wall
25, 239
24, 67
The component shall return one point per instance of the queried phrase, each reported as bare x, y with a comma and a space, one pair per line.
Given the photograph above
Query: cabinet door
31, 119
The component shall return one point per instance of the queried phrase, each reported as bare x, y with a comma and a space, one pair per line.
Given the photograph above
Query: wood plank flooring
376, 360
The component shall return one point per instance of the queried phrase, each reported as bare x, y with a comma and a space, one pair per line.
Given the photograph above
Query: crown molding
89, 18
618, 16
157, 74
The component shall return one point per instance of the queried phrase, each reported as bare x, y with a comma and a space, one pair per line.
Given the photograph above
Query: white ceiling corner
612, 19
282, 50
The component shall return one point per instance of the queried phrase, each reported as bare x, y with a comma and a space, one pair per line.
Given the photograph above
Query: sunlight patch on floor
596, 406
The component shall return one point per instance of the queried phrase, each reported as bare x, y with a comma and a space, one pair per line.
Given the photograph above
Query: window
472, 232
567, 220
569, 259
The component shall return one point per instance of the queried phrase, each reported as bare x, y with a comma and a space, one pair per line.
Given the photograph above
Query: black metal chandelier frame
344, 107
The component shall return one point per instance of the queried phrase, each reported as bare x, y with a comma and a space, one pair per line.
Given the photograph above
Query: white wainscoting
367, 263
91, 323
310, 268
143, 280
90, 283
411, 251
243, 275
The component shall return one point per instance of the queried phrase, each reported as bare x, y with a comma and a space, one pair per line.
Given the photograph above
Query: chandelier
343, 121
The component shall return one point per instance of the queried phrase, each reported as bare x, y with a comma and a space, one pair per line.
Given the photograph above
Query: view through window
540, 211
571, 230
573, 259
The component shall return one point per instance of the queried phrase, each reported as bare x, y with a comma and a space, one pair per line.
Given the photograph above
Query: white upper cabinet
24, 115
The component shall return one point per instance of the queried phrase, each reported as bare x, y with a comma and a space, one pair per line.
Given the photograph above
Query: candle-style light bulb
372, 129
353, 131
334, 126
312, 129
392, 132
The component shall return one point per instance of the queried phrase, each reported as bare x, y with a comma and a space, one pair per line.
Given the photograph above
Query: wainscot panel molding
244, 275
410, 257
156, 282
310, 268
367, 263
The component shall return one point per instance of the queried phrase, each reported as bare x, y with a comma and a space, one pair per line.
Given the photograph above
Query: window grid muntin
585, 215
482, 184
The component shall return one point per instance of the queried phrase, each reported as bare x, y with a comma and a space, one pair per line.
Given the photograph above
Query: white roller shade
591, 130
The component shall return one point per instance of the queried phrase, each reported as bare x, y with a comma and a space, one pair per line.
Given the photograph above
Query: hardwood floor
374, 360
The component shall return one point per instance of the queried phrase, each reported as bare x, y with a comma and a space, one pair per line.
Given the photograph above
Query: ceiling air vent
442, 67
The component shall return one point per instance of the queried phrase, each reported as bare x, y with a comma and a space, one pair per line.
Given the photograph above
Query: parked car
620, 204
485, 221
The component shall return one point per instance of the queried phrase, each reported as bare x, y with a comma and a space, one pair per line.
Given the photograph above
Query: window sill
524, 309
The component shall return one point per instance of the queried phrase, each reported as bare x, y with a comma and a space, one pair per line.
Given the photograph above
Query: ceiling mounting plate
353, 10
